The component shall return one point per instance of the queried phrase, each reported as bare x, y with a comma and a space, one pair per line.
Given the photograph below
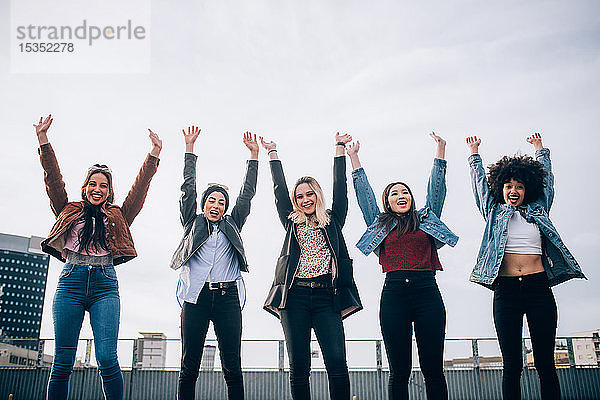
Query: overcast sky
386, 72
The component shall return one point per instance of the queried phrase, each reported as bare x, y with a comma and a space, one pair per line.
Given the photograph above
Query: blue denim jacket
559, 263
429, 215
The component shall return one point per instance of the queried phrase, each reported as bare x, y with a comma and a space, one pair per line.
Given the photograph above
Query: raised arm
41, 129
479, 184
241, 209
282, 195
542, 154
188, 202
55, 187
436, 186
362, 188
339, 206
137, 194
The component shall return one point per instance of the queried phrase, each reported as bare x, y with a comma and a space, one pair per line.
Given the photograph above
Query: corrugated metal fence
475, 383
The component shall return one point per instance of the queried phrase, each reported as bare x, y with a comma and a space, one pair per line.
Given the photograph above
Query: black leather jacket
345, 294
196, 227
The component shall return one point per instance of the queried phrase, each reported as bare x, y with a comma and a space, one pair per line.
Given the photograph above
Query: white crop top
523, 237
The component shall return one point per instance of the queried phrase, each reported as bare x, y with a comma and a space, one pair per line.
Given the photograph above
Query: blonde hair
321, 217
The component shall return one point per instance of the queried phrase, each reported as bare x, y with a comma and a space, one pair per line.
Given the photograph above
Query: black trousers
308, 309
222, 307
527, 295
413, 297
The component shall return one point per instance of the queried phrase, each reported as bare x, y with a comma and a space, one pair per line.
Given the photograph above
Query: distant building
17, 356
208, 358
561, 356
23, 273
587, 351
467, 362
152, 350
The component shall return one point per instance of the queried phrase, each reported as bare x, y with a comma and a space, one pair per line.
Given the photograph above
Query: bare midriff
520, 264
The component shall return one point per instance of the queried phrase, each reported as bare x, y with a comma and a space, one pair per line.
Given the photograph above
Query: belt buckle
214, 285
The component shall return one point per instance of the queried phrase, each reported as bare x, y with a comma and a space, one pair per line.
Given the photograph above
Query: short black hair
524, 169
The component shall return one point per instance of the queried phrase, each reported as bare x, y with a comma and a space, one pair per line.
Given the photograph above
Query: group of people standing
521, 257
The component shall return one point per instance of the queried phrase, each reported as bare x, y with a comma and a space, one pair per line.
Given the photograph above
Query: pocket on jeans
66, 271
109, 273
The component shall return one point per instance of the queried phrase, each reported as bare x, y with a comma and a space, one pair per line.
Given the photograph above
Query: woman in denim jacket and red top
91, 236
314, 286
520, 258
406, 241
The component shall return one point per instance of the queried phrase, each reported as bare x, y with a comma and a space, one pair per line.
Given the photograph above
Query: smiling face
513, 192
306, 198
97, 189
399, 199
214, 207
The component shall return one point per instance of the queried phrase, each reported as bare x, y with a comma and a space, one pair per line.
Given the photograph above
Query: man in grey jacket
211, 257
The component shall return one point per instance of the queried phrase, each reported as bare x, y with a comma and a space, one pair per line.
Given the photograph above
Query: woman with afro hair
521, 257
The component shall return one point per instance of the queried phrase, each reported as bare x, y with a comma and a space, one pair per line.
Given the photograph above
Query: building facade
23, 274
152, 350
18, 356
586, 348
207, 363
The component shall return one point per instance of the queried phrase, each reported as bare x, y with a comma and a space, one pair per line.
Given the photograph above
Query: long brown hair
99, 169
94, 232
407, 222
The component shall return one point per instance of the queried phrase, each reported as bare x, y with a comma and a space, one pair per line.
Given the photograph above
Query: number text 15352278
36, 47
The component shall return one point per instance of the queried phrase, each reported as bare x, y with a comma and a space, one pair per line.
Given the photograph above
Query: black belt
313, 284
220, 285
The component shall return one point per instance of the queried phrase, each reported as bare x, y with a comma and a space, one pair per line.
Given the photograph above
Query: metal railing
270, 354
471, 377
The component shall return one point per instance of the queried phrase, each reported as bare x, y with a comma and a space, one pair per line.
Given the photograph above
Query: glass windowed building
23, 273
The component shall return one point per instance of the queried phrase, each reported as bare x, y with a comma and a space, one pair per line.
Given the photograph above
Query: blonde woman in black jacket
314, 286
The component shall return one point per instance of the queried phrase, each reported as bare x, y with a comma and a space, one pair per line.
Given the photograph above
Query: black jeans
527, 295
413, 297
313, 308
222, 307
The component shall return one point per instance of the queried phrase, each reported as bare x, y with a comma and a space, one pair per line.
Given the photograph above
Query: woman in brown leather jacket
91, 235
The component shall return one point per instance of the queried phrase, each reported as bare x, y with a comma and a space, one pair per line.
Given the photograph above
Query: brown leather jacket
119, 218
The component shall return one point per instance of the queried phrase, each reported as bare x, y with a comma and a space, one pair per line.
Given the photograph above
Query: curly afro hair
524, 169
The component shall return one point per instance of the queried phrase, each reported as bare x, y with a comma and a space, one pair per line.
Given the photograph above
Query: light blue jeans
93, 289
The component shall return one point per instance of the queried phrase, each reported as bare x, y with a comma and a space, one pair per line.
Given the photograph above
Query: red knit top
412, 251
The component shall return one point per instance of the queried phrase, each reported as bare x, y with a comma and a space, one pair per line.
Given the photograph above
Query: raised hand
190, 138
352, 151
440, 151
437, 139
267, 145
473, 142
340, 143
270, 147
250, 141
41, 129
353, 148
339, 139
156, 144
536, 141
